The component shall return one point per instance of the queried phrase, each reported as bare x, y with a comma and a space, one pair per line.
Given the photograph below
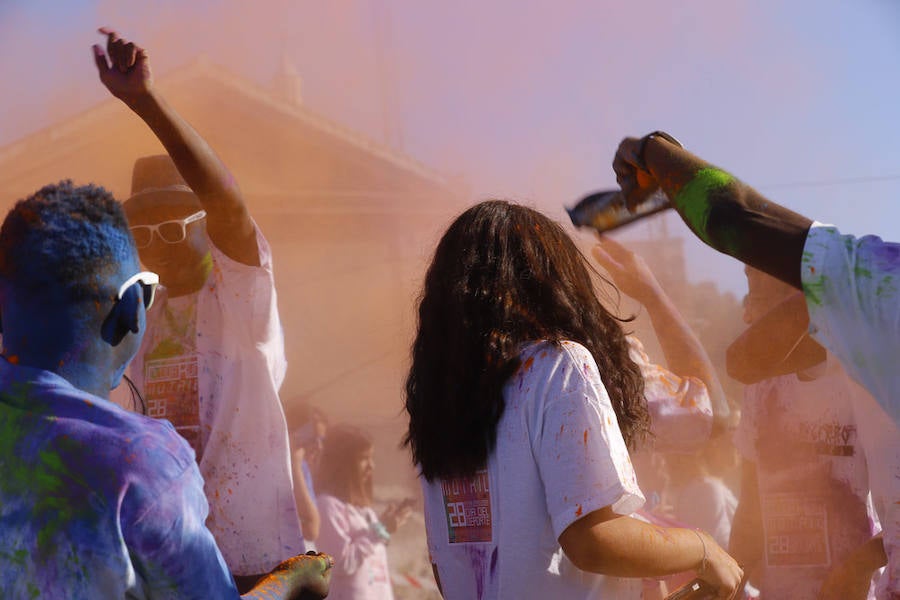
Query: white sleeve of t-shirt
579, 448
852, 288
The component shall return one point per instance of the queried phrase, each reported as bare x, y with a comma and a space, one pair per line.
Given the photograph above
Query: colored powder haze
503, 99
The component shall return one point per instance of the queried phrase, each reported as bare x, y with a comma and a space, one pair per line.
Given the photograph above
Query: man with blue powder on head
213, 359
95, 501
850, 290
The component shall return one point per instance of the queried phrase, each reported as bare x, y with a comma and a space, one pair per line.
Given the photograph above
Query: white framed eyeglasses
171, 232
148, 280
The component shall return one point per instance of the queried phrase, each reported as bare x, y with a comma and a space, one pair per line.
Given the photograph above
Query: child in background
349, 527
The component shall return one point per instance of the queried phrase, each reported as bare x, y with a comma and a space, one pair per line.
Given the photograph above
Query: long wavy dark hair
503, 275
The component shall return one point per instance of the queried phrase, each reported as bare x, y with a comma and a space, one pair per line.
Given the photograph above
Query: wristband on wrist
380, 532
642, 146
704, 562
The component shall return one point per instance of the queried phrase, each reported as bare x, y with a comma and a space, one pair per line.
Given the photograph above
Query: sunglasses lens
171, 231
143, 235
149, 290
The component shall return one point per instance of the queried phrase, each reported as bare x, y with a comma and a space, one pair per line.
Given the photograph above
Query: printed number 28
457, 513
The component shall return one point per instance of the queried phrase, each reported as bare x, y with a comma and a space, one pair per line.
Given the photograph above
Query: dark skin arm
734, 219
746, 543
769, 347
850, 579
128, 77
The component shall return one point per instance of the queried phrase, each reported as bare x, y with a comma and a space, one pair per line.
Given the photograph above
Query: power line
828, 182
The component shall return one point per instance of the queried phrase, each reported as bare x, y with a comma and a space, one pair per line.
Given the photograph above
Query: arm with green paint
725, 213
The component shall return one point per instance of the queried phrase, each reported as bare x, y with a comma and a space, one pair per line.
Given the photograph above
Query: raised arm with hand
124, 69
685, 355
726, 214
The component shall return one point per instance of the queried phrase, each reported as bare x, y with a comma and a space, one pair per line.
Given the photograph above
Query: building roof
284, 155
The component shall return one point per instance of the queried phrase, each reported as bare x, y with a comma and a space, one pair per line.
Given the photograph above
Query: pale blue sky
528, 100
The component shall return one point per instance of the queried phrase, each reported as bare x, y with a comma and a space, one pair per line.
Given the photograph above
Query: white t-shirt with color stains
813, 479
559, 456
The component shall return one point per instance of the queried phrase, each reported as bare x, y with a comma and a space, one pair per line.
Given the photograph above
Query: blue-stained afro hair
60, 239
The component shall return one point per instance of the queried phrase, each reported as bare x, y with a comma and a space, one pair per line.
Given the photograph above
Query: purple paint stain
477, 557
494, 562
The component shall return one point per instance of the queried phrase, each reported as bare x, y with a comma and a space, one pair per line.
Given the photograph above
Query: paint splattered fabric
360, 557
680, 409
239, 366
813, 476
96, 502
853, 297
852, 288
559, 456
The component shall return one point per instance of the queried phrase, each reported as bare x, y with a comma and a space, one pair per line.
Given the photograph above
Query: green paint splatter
814, 290
886, 286
693, 199
862, 272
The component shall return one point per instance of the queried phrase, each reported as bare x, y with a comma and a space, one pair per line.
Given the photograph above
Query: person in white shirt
522, 402
212, 359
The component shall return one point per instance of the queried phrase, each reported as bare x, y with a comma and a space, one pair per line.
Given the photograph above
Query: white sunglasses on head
148, 281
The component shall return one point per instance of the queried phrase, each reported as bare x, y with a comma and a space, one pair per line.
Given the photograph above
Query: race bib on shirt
172, 392
796, 530
467, 501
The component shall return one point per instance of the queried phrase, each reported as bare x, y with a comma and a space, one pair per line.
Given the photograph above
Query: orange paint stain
528, 363
13, 359
585, 437
578, 511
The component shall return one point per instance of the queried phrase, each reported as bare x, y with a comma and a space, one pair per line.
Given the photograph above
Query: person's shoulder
555, 367
142, 439
549, 352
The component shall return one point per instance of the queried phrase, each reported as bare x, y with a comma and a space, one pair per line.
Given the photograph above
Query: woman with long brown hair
522, 402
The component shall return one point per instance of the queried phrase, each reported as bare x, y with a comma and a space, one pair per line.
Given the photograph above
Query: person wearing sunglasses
96, 501
213, 357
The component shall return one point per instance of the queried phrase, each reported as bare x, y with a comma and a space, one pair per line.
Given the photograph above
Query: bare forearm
306, 508
685, 354
196, 161
746, 543
626, 547
228, 222
869, 556
728, 215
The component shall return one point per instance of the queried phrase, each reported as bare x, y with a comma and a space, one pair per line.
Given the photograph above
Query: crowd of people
556, 459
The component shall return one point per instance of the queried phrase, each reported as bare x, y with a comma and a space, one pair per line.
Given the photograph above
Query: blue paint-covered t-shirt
97, 502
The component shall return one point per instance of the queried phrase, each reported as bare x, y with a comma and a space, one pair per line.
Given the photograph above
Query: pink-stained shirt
361, 567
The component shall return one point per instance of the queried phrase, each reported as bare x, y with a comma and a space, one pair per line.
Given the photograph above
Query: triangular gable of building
285, 156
